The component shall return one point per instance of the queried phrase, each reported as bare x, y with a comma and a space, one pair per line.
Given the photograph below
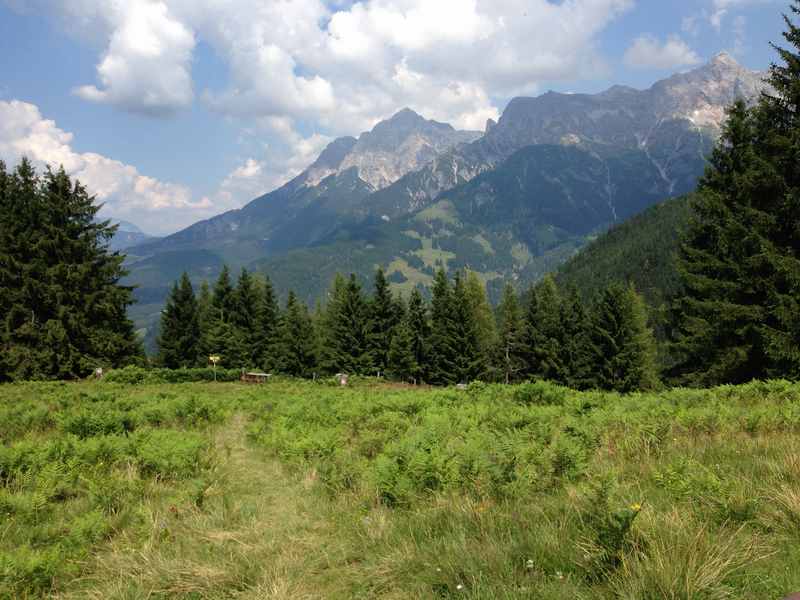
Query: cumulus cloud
339, 66
647, 52
146, 67
158, 207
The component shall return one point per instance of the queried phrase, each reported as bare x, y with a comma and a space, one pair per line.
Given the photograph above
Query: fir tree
624, 347
383, 319
469, 361
205, 321
510, 350
442, 346
179, 338
419, 331
778, 116
402, 363
222, 338
64, 311
577, 353
267, 328
297, 346
719, 332
223, 301
245, 317
347, 329
739, 316
482, 314
543, 335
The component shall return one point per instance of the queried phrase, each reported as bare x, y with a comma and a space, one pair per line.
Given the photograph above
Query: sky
171, 111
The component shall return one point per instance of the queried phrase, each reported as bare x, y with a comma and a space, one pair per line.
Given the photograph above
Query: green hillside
640, 250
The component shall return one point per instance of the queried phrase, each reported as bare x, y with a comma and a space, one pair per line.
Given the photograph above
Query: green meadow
294, 489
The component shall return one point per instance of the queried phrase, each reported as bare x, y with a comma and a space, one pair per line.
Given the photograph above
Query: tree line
735, 315
62, 309
455, 337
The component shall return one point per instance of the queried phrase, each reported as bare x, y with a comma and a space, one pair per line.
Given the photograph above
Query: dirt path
258, 534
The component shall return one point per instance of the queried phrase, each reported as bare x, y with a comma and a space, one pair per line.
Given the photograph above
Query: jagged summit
723, 58
398, 145
405, 116
702, 94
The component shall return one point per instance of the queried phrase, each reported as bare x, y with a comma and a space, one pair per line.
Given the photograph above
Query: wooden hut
255, 377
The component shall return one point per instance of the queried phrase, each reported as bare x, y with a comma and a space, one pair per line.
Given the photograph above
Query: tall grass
306, 490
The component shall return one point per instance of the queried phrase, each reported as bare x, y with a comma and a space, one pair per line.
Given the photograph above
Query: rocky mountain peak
330, 160
702, 94
723, 59
398, 145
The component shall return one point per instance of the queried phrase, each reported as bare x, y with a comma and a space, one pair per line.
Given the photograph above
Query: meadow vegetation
307, 490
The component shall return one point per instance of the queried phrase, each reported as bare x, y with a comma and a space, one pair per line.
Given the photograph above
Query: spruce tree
543, 335
383, 319
509, 353
179, 337
441, 344
222, 337
577, 353
402, 364
245, 318
204, 318
267, 328
64, 311
347, 332
482, 313
420, 330
223, 300
739, 316
779, 135
296, 343
469, 361
623, 345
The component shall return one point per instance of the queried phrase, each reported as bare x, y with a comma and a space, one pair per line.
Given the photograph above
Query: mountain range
510, 203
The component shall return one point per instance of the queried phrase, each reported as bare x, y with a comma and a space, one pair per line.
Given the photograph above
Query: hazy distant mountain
511, 203
128, 235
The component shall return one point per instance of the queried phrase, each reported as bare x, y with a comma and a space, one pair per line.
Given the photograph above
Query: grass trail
257, 533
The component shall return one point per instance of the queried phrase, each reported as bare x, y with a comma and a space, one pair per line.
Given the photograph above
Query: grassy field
303, 490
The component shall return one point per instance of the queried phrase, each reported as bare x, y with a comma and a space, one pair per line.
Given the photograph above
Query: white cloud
647, 52
340, 66
146, 67
278, 162
156, 206
720, 9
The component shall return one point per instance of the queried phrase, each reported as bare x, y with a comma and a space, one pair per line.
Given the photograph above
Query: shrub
541, 393
139, 376
170, 454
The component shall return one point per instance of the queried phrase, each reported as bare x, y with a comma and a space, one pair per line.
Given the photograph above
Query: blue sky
175, 110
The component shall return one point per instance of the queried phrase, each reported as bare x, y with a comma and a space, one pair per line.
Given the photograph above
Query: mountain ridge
512, 204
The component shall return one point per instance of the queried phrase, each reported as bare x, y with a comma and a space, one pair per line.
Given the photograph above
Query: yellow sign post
214, 358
